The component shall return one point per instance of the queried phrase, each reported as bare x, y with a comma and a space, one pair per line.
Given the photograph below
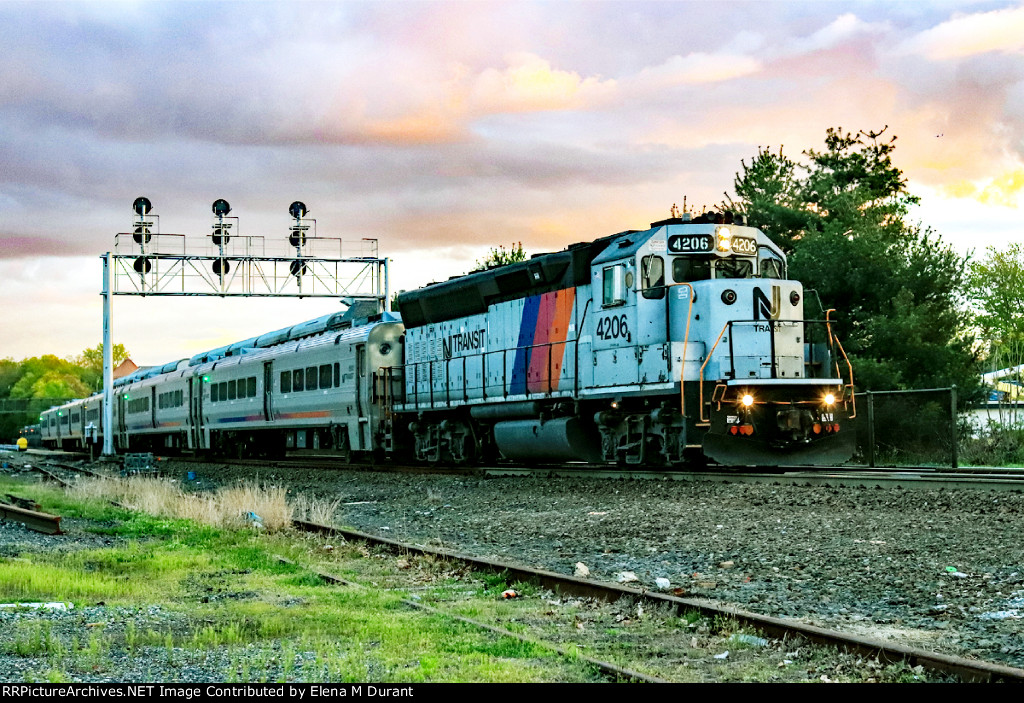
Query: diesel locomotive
669, 346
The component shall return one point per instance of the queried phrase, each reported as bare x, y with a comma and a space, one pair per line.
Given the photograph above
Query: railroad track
967, 670
914, 477
924, 478
945, 665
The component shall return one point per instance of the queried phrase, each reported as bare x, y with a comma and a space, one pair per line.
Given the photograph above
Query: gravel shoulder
939, 570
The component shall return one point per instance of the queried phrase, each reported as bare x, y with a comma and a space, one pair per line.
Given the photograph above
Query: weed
131, 637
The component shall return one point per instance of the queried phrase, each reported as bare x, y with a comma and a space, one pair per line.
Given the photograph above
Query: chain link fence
907, 428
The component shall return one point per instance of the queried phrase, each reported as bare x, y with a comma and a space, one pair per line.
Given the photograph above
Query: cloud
696, 68
969, 35
1005, 190
530, 84
844, 28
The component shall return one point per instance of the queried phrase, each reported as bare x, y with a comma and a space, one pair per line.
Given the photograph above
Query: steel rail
963, 669
32, 519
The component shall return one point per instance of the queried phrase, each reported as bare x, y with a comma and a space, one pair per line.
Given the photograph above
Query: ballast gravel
937, 570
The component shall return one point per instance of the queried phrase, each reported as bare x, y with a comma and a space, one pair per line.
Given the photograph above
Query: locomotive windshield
771, 268
733, 268
686, 269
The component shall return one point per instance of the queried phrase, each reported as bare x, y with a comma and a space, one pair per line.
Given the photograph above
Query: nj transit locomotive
659, 347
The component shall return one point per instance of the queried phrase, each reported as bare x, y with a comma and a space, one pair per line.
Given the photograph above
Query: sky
443, 129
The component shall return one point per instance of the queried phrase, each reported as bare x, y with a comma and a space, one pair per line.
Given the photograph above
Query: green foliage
49, 376
502, 256
842, 218
996, 285
91, 363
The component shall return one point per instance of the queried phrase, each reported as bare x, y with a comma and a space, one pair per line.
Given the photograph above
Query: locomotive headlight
830, 399
724, 239
748, 400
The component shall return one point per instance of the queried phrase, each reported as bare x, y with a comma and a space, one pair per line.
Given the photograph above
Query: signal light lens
816, 428
734, 429
746, 429
748, 400
830, 399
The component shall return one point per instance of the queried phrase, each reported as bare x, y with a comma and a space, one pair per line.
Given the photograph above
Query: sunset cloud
442, 128
967, 35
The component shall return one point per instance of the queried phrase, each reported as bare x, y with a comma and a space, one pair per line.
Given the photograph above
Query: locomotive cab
701, 310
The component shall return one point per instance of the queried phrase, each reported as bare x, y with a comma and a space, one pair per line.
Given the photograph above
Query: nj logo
765, 309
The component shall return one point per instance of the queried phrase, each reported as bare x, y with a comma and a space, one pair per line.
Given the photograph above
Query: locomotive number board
705, 244
744, 245
691, 243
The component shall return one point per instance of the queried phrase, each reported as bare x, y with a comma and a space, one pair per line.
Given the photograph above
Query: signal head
142, 206
221, 207
297, 209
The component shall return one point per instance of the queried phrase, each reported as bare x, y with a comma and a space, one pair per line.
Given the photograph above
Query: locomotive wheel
463, 449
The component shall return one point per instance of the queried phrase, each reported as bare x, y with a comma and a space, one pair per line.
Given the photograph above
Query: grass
229, 603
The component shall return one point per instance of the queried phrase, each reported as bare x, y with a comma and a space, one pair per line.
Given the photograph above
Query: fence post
956, 426
871, 429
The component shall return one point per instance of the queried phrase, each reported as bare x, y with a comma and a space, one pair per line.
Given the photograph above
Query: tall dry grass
226, 507
316, 510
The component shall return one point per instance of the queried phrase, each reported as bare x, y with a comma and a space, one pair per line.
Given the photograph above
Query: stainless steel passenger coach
663, 347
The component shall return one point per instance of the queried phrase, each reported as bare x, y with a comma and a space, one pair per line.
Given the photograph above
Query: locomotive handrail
853, 396
833, 342
484, 385
686, 337
504, 368
707, 358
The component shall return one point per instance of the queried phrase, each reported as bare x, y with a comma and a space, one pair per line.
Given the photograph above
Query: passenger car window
251, 385
310, 378
297, 380
286, 381
326, 376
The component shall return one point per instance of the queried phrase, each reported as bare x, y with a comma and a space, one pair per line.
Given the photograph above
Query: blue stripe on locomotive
527, 332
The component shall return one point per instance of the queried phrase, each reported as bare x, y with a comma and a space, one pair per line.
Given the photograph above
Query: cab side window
613, 286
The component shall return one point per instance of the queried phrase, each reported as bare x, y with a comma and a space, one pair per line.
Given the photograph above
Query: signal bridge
225, 263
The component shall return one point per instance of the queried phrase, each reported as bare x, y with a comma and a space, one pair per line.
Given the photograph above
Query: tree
502, 256
91, 362
996, 287
842, 218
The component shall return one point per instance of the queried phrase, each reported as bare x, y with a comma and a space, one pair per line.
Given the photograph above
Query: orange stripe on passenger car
299, 416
